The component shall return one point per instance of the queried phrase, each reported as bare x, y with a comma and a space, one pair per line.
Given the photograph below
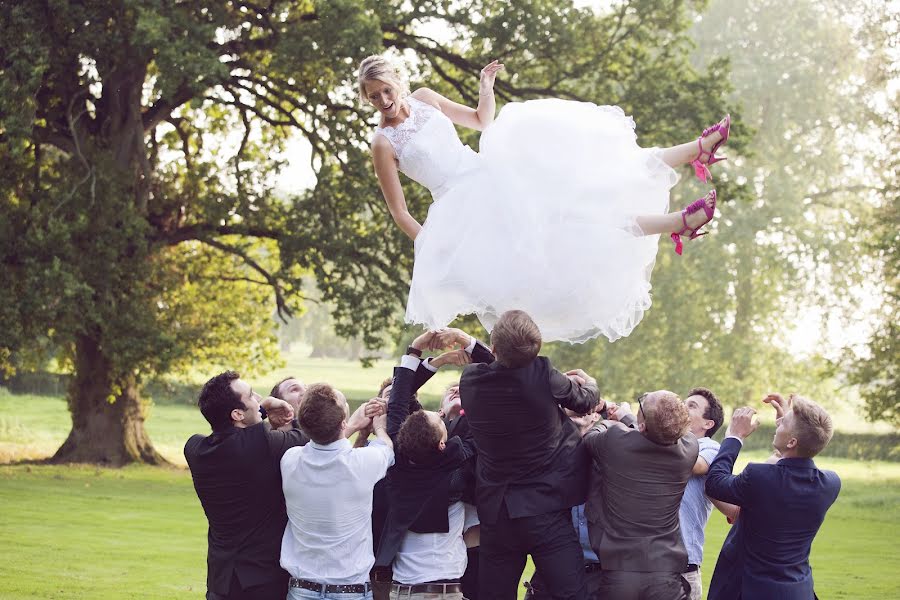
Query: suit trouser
635, 585
538, 590
276, 590
553, 544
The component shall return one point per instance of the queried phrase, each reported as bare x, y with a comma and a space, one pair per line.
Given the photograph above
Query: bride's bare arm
389, 180
473, 118
477, 119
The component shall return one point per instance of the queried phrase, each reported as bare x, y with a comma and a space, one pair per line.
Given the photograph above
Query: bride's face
384, 97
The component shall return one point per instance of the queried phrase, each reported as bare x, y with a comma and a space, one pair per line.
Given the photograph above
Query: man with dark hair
638, 477
423, 533
531, 467
766, 554
235, 473
706, 417
291, 390
327, 545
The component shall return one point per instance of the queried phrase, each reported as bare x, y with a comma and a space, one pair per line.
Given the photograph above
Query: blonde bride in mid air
558, 214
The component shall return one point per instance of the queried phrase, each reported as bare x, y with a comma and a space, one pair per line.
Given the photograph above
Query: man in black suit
638, 478
766, 553
238, 481
531, 468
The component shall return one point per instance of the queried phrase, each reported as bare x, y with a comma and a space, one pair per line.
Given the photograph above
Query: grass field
139, 532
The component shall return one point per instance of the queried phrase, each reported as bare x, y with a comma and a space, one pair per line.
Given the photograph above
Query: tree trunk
107, 423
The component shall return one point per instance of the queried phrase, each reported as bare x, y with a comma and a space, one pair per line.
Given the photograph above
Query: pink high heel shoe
699, 204
701, 166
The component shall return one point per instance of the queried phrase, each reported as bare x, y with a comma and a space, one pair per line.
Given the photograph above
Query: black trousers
275, 590
633, 585
469, 580
538, 589
551, 541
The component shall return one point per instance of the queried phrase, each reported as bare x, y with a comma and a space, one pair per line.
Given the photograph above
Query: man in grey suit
638, 476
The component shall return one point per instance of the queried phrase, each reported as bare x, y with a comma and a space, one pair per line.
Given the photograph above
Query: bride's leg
675, 156
670, 223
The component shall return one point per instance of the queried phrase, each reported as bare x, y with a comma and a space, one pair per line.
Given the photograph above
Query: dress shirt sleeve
720, 483
377, 458
568, 394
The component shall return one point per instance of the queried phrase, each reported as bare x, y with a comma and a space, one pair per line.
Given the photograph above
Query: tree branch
281, 306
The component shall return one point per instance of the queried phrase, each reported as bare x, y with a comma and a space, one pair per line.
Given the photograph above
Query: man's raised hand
458, 358
279, 412
453, 338
778, 402
742, 423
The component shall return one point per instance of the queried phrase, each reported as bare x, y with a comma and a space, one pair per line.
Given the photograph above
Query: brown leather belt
330, 588
426, 588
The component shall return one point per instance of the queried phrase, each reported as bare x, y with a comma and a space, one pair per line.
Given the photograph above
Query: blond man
766, 554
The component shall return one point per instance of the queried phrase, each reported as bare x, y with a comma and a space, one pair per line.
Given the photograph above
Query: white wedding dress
542, 219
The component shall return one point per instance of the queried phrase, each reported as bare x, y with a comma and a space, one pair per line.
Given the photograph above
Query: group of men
521, 460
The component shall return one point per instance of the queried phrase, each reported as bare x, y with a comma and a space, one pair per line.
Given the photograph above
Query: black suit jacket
237, 477
766, 553
636, 490
418, 494
530, 455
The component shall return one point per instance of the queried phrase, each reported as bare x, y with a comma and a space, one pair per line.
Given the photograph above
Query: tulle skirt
545, 224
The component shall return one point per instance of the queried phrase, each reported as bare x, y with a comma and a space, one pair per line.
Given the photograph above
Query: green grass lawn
139, 532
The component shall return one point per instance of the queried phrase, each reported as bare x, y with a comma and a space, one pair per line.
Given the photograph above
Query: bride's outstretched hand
488, 75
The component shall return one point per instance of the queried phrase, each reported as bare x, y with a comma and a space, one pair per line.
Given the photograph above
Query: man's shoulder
707, 443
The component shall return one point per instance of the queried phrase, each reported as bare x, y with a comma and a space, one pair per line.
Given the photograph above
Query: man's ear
237, 415
642, 427
708, 424
791, 443
442, 445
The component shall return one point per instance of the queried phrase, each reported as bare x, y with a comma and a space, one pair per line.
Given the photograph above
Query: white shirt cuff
471, 346
427, 364
410, 362
734, 437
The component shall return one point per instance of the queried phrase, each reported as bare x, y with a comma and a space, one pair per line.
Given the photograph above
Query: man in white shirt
327, 545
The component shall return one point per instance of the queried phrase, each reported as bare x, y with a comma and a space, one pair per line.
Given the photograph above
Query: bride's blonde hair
378, 68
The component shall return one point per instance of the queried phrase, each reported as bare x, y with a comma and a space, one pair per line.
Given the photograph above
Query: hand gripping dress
541, 219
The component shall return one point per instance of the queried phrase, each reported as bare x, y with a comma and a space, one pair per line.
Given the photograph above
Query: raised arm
389, 179
580, 396
473, 118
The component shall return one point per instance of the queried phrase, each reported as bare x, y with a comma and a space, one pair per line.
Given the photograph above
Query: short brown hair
516, 339
321, 414
384, 384
419, 439
668, 418
812, 427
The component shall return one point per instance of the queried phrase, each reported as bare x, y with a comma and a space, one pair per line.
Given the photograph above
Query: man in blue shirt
706, 416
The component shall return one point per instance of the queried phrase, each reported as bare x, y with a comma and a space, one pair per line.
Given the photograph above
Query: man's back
529, 452
328, 492
238, 482
636, 490
782, 507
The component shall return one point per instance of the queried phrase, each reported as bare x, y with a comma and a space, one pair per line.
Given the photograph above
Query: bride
558, 214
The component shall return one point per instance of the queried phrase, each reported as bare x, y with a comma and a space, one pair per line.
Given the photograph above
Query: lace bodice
427, 148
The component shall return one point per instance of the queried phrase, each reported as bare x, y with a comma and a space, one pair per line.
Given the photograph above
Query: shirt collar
336, 445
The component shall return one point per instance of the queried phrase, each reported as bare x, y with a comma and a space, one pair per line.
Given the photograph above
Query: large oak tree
140, 232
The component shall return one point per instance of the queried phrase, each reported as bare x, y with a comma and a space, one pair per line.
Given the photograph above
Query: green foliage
140, 231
